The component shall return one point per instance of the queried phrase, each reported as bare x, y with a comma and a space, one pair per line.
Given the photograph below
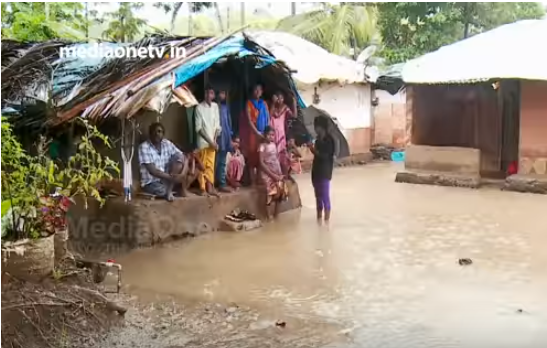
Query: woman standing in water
279, 114
322, 166
254, 121
270, 173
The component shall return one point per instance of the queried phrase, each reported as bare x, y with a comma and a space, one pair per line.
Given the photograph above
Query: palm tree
242, 9
175, 7
175, 11
219, 16
336, 28
124, 26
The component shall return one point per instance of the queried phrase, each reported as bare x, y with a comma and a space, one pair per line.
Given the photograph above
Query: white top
510, 51
208, 120
297, 53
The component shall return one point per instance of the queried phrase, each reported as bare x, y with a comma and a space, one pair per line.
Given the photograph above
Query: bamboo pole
162, 69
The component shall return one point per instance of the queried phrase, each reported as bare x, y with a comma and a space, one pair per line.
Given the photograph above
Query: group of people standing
218, 163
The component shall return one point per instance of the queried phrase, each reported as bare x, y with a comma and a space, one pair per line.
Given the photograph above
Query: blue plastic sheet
232, 46
398, 156
194, 67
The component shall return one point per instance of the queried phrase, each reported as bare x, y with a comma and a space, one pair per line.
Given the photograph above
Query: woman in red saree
254, 121
278, 120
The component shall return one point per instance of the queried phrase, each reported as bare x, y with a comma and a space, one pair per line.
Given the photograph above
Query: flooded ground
385, 273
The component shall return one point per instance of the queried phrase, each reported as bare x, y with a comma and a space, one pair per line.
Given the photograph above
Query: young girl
322, 166
235, 166
270, 172
294, 157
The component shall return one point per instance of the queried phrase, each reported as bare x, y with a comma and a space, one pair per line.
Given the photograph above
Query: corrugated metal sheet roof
517, 50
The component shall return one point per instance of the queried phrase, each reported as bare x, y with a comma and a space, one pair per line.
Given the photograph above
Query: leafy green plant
87, 168
29, 182
37, 21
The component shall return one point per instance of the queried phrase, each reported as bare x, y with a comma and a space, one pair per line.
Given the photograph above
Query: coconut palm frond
335, 28
364, 21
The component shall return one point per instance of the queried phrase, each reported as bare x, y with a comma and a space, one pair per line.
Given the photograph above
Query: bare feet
170, 197
213, 193
225, 189
185, 193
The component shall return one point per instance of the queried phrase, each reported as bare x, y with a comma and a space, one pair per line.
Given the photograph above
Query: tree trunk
87, 21
176, 9
293, 8
46, 5
190, 19
466, 14
219, 17
121, 37
242, 9
228, 17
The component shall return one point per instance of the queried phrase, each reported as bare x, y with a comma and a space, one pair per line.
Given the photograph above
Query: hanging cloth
128, 150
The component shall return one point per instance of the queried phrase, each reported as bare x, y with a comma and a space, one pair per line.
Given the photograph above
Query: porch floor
120, 227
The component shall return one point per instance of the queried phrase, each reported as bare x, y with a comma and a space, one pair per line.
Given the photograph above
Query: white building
335, 84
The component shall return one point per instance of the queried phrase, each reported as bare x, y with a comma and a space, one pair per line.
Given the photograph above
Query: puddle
385, 270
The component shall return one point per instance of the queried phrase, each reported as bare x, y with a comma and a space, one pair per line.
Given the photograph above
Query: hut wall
389, 119
533, 128
463, 116
174, 121
351, 106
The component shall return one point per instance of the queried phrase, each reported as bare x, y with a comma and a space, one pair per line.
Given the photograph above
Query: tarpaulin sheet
233, 46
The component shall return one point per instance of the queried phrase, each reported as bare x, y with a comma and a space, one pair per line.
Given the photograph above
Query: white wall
386, 97
349, 104
390, 118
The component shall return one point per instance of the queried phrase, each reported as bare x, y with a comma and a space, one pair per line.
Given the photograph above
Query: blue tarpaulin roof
231, 47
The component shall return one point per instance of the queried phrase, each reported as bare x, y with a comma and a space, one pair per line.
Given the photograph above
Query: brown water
385, 269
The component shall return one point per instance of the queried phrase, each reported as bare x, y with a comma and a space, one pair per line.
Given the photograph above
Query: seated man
162, 164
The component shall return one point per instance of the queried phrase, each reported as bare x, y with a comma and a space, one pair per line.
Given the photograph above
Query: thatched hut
44, 92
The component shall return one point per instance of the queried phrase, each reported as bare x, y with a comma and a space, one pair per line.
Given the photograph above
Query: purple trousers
321, 188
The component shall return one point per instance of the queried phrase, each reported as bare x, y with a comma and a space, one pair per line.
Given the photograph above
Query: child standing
294, 157
270, 172
322, 166
236, 165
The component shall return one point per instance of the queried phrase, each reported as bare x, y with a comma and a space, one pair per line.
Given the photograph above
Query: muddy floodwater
384, 273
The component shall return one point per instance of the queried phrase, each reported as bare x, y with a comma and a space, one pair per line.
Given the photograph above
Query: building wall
351, 106
389, 123
461, 116
533, 128
174, 121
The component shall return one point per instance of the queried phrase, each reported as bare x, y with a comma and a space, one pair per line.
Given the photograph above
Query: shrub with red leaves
54, 212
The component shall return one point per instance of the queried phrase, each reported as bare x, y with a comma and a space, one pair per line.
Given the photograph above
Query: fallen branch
22, 305
37, 328
109, 304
